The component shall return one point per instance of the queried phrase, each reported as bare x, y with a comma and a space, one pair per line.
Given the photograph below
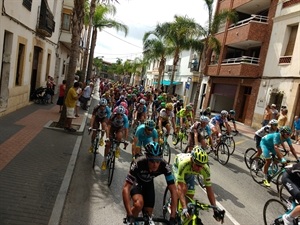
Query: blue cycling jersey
142, 137
270, 140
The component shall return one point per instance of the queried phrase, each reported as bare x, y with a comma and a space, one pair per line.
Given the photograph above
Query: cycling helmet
224, 113
204, 119
150, 124
169, 106
273, 122
122, 97
180, 100
199, 156
142, 101
120, 110
124, 104
285, 129
153, 149
189, 107
103, 101
129, 96
232, 112
160, 98
163, 105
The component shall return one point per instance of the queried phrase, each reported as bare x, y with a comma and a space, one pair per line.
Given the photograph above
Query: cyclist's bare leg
148, 211
266, 167
138, 203
258, 154
168, 127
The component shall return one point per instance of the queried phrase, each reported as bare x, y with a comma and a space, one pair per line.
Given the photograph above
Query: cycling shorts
147, 191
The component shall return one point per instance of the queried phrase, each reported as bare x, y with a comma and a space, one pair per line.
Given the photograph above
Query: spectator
86, 95
267, 116
297, 129
70, 103
282, 119
274, 111
51, 87
78, 103
61, 96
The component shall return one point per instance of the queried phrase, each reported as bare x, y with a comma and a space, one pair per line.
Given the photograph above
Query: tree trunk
161, 70
86, 51
91, 57
175, 61
77, 26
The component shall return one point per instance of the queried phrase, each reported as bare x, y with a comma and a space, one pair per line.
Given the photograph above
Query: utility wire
122, 39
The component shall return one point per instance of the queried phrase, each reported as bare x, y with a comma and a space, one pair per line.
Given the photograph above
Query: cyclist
291, 181
272, 127
139, 112
118, 128
144, 134
101, 114
215, 122
270, 145
206, 112
197, 134
185, 166
139, 184
230, 117
182, 116
165, 115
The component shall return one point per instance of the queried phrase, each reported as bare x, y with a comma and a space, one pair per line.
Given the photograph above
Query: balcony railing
243, 59
256, 18
45, 22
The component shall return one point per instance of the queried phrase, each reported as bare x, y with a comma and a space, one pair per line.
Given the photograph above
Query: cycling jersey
201, 130
267, 143
182, 169
142, 137
105, 113
140, 108
218, 119
183, 113
265, 130
122, 122
139, 172
165, 116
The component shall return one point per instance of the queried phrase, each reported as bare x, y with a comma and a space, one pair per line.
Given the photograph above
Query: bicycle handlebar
120, 142
97, 130
145, 219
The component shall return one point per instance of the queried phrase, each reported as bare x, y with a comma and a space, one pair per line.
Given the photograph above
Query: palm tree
101, 21
182, 34
77, 26
155, 48
210, 43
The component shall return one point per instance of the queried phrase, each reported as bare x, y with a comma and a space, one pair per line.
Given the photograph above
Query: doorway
35, 68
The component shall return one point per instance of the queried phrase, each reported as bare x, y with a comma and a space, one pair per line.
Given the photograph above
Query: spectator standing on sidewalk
87, 92
282, 119
297, 129
78, 103
51, 87
274, 111
61, 96
70, 103
267, 116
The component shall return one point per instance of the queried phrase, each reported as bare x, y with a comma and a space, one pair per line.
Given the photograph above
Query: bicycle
146, 220
95, 144
166, 149
275, 209
275, 170
219, 149
194, 207
181, 138
111, 158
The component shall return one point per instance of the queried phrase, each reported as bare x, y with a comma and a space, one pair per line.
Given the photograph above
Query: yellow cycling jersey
183, 113
182, 169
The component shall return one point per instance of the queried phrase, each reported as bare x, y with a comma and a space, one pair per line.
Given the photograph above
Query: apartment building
35, 38
281, 76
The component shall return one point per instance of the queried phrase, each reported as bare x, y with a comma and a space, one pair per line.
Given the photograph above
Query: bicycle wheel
231, 144
111, 167
167, 204
284, 196
166, 152
273, 211
185, 138
249, 153
175, 139
95, 151
200, 181
223, 153
256, 170
278, 180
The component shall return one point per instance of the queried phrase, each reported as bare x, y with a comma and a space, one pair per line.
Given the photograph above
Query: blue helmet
103, 101
153, 149
150, 124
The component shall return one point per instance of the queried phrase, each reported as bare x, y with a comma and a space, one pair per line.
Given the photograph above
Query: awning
168, 82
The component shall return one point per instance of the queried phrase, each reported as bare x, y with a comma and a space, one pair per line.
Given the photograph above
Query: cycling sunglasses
155, 160
149, 129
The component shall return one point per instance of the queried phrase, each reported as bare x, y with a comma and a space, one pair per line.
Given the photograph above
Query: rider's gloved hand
185, 212
172, 221
130, 219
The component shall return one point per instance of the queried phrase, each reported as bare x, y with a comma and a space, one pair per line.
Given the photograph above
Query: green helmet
286, 129
199, 155
160, 98
163, 105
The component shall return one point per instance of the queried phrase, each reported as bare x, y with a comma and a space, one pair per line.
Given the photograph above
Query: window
27, 4
291, 44
66, 21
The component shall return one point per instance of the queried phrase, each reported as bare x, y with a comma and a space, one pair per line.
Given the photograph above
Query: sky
141, 16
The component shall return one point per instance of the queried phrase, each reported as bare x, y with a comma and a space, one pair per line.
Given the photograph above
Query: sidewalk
33, 163
250, 132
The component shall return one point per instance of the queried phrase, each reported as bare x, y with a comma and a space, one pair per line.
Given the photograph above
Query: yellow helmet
169, 106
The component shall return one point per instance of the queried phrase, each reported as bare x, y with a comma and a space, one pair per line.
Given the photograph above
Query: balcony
194, 67
283, 60
45, 22
251, 6
244, 66
247, 33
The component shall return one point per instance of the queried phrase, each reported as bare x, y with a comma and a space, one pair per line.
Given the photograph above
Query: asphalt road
90, 201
